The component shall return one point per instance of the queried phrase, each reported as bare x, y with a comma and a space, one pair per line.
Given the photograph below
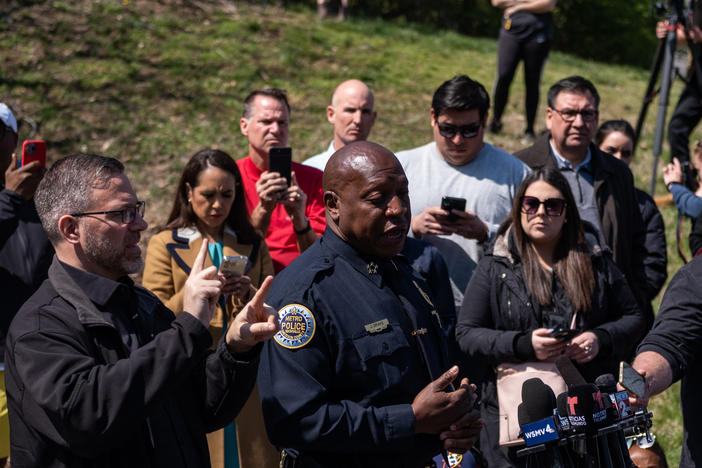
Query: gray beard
101, 253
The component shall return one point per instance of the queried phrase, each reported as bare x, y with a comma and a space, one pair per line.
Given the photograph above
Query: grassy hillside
153, 81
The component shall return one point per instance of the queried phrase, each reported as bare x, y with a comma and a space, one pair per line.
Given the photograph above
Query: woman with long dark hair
209, 204
540, 275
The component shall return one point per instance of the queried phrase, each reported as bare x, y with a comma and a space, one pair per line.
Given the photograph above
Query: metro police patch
297, 326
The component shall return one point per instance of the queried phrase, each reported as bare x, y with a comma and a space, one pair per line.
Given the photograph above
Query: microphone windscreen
599, 409
562, 407
531, 385
607, 383
538, 400
579, 407
522, 415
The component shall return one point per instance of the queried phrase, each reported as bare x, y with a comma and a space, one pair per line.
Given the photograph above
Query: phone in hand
453, 203
34, 150
233, 265
563, 334
280, 161
631, 380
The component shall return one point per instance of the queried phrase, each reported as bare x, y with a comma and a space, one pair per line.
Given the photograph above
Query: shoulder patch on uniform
297, 326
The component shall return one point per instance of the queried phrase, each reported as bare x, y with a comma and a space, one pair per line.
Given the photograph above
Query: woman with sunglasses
616, 137
210, 204
541, 275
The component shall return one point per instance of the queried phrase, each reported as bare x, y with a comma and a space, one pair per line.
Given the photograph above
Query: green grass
151, 82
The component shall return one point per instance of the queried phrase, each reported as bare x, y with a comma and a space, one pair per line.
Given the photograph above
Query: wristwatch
304, 230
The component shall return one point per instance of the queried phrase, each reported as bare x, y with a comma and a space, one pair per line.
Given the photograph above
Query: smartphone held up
33, 150
280, 161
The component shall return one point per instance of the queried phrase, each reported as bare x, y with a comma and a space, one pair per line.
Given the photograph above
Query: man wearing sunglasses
458, 163
602, 185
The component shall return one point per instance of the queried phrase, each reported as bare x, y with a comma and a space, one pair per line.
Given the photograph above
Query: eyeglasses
467, 131
569, 115
128, 214
553, 206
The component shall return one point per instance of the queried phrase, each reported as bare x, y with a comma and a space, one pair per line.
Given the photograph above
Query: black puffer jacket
498, 309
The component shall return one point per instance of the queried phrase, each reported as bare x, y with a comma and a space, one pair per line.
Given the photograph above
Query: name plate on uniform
377, 327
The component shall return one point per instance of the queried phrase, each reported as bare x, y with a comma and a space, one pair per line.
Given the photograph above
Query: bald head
360, 158
366, 198
352, 87
351, 112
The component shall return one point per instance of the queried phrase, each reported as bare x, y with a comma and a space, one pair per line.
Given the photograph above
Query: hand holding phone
34, 150
452, 203
233, 265
632, 380
563, 334
23, 180
235, 282
280, 161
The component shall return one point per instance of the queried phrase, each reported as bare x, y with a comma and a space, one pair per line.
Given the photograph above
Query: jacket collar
370, 267
541, 155
67, 288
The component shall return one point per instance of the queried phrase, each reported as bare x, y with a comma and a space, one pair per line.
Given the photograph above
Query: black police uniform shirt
338, 380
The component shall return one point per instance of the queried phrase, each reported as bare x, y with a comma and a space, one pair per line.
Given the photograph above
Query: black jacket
617, 205
78, 397
677, 336
25, 255
498, 310
696, 236
656, 260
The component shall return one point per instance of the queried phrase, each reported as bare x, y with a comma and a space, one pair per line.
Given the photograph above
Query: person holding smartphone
458, 163
25, 251
209, 204
289, 214
541, 275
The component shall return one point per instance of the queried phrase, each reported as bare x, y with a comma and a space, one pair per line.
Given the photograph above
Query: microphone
579, 407
539, 425
615, 438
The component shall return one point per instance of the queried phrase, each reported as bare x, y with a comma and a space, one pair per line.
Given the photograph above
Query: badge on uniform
297, 326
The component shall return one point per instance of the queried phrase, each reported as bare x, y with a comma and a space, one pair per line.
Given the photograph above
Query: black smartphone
631, 380
563, 334
453, 203
280, 161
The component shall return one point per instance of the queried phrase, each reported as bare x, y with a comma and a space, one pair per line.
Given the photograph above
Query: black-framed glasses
552, 206
467, 131
569, 115
128, 214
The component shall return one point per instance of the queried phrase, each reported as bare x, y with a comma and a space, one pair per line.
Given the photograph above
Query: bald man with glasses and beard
458, 163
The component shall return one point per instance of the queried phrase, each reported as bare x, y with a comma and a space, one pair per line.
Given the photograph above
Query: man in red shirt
291, 217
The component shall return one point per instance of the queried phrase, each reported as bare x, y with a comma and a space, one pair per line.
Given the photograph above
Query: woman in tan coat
210, 204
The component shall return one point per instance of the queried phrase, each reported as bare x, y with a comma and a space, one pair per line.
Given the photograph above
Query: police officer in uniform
358, 375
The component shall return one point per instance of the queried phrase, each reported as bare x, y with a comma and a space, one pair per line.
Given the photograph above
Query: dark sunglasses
467, 131
553, 206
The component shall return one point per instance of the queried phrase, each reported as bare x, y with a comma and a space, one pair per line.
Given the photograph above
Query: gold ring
588, 348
